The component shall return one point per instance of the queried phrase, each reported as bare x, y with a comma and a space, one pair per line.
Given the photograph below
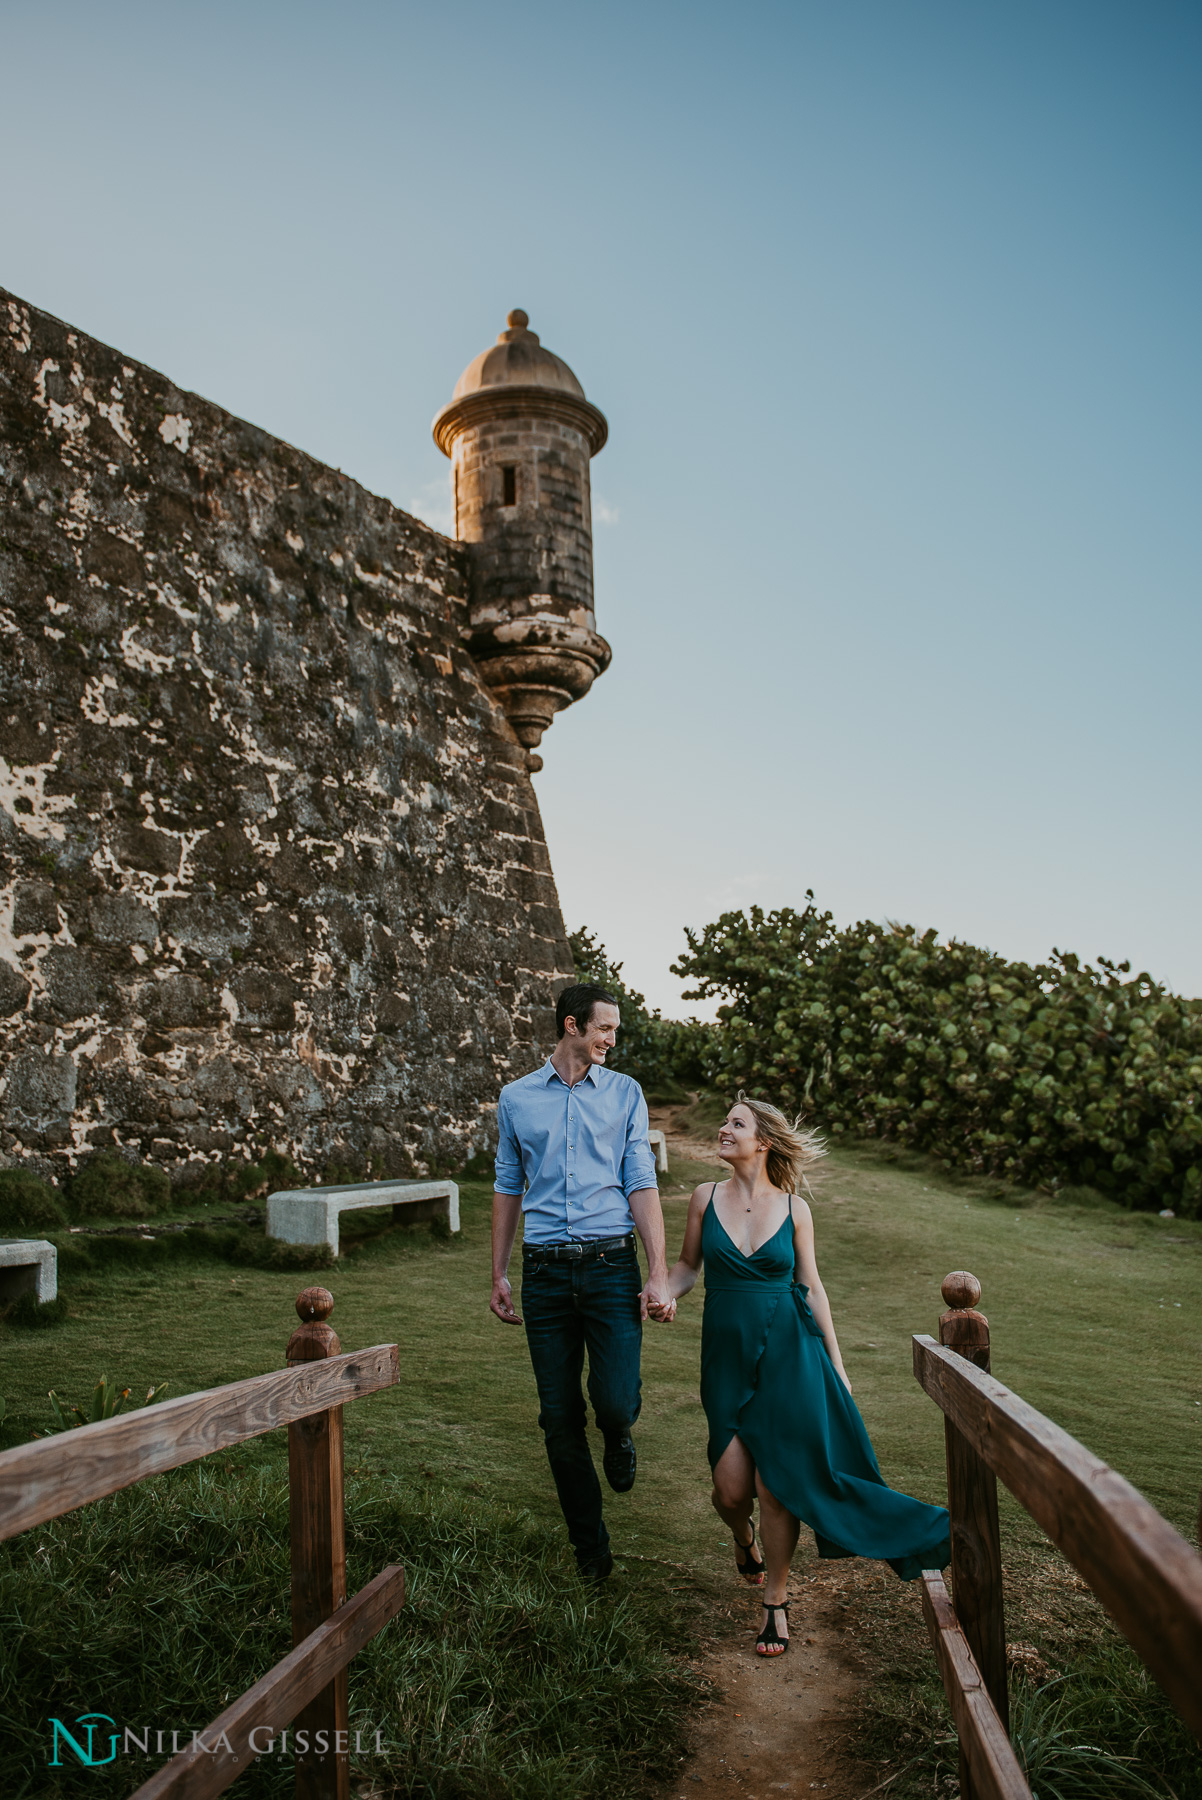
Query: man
574, 1136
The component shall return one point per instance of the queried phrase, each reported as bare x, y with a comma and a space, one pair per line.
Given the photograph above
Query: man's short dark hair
578, 1002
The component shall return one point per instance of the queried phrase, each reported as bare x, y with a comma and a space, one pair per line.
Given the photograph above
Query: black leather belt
587, 1251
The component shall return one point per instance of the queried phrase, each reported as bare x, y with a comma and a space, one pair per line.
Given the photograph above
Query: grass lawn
1096, 1318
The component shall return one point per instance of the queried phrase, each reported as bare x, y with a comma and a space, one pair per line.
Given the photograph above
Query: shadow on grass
503, 1676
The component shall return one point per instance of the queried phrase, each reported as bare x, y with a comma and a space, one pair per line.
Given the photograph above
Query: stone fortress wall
273, 870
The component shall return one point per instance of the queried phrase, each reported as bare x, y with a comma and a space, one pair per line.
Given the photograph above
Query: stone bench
310, 1215
659, 1144
28, 1266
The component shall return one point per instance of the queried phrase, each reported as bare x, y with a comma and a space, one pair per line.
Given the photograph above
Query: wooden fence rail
54, 1475
1143, 1571
989, 1768
260, 1715
42, 1480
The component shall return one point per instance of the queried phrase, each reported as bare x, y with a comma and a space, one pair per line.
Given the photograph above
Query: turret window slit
509, 485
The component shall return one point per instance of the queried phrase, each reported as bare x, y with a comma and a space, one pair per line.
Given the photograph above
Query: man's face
599, 1035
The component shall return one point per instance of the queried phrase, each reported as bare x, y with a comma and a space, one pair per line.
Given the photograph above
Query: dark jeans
570, 1307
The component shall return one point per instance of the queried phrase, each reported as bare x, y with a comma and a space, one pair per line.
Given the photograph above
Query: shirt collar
551, 1073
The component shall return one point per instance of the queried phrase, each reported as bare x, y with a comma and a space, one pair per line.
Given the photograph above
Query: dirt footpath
782, 1725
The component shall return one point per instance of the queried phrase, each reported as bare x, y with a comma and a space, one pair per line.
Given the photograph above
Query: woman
782, 1423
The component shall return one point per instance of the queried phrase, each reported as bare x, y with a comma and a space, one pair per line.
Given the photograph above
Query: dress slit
766, 1375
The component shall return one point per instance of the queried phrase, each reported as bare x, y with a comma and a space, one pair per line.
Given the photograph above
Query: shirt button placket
571, 1170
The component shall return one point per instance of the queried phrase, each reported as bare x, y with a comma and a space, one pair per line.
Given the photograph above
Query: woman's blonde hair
792, 1149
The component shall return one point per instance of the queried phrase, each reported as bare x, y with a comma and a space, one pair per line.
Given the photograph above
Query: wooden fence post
318, 1554
972, 1503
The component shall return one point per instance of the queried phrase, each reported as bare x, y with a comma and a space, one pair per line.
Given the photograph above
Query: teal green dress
767, 1375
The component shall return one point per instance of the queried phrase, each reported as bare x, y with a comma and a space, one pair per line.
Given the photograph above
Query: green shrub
250, 1249
109, 1187
83, 1255
665, 1056
240, 1245
336, 1174
1055, 1073
233, 1180
27, 1203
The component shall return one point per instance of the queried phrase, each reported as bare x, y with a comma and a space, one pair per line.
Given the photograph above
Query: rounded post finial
961, 1290
313, 1338
517, 320
314, 1303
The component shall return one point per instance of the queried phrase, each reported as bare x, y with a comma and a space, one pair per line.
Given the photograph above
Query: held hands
655, 1302
502, 1302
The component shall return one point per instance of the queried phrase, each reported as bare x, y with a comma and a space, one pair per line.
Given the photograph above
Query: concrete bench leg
28, 1266
418, 1212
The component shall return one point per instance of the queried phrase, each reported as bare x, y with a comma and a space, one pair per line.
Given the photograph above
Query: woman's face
737, 1140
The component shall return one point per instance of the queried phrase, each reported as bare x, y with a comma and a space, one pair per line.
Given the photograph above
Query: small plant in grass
1048, 1728
107, 1402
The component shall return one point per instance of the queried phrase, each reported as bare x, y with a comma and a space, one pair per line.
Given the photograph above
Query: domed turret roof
517, 378
517, 359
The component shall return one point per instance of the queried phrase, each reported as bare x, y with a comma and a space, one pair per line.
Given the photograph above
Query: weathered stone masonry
273, 868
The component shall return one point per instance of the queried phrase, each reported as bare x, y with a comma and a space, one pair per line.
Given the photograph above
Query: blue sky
893, 309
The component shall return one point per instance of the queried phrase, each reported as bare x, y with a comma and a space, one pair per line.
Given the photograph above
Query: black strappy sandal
770, 1642
749, 1567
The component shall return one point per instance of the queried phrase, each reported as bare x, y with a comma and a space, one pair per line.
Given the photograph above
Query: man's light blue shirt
578, 1152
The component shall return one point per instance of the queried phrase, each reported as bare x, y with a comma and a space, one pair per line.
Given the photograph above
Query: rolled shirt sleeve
510, 1175
638, 1161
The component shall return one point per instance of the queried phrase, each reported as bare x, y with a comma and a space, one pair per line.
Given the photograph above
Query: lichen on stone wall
273, 869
